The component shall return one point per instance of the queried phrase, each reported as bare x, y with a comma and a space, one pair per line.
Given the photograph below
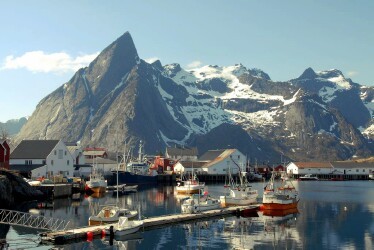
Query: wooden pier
62, 237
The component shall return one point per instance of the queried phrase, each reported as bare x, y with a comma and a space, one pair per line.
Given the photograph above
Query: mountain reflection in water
330, 215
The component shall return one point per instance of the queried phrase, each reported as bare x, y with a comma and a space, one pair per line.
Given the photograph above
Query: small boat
280, 195
308, 177
239, 195
124, 227
371, 176
96, 184
189, 185
111, 214
197, 203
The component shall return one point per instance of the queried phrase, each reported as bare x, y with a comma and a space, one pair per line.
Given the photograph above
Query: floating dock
62, 237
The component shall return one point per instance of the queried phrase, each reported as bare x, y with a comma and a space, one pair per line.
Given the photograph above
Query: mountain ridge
121, 97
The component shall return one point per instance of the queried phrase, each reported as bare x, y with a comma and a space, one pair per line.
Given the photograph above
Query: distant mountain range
12, 127
317, 116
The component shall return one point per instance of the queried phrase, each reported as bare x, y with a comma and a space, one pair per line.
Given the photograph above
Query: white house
220, 161
37, 158
352, 168
302, 168
188, 167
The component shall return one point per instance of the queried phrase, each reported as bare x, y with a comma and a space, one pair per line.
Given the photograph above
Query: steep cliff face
120, 97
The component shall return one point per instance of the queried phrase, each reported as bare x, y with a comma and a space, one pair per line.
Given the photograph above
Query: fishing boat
279, 195
135, 172
308, 177
240, 194
124, 227
198, 202
111, 214
371, 175
96, 184
189, 184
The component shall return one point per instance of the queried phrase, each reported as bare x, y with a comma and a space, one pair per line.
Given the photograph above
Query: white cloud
352, 73
194, 64
39, 61
151, 60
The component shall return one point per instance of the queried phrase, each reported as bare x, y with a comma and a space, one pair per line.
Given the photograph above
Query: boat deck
61, 237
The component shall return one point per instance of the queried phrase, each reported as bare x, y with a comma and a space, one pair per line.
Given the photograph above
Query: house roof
33, 149
72, 148
226, 153
351, 164
313, 164
185, 151
25, 168
211, 155
94, 153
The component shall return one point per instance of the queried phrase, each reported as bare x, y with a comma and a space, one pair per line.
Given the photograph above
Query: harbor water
331, 215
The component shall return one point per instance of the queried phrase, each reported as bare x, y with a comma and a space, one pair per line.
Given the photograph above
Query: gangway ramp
12, 217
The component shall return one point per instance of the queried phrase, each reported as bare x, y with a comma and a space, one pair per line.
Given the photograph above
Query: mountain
120, 97
12, 127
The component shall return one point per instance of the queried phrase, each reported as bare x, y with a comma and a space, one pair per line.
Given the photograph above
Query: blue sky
44, 42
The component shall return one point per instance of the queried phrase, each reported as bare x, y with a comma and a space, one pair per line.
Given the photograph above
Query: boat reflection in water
280, 227
124, 242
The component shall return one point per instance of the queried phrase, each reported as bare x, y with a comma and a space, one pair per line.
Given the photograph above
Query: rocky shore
14, 189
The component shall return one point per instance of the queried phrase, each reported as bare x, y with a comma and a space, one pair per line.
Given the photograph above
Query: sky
44, 42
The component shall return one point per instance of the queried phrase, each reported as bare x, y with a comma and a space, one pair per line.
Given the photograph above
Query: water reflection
332, 215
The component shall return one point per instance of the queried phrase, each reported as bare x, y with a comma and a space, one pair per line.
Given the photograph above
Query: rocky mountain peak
332, 73
172, 69
308, 74
157, 64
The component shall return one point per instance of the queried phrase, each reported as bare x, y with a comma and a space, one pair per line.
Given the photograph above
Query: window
363, 170
238, 156
44, 162
55, 152
52, 162
68, 162
356, 170
60, 152
65, 152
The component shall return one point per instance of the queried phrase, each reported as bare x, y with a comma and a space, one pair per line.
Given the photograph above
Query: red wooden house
4, 154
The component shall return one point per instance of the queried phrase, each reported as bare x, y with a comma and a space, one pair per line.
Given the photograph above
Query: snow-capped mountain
315, 116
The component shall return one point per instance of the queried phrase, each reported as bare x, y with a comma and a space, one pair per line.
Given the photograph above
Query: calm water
332, 215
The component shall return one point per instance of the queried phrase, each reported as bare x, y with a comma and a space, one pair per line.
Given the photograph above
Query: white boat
308, 177
280, 195
111, 214
371, 176
197, 203
124, 227
96, 184
239, 194
189, 184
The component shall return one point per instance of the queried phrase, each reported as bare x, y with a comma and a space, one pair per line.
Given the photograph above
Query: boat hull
279, 206
125, 177
190, 209
229, 201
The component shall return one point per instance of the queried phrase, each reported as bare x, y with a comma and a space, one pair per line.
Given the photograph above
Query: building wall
60, 161
29, 161
294, 169
224, 165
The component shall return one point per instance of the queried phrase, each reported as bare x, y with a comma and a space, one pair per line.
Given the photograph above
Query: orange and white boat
96, 184
280, 195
